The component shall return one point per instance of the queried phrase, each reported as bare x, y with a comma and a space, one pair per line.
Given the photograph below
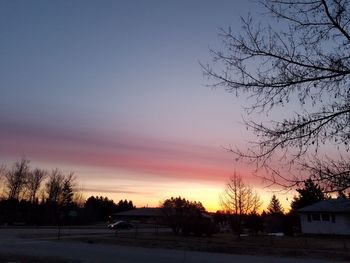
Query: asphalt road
102, 253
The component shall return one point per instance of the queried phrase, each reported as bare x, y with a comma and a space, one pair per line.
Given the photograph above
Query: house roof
148, 212
331, 205
141, 212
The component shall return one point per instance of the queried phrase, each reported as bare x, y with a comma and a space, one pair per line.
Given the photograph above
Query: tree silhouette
67, 189
16, 179
309, 194
54, 186
304, 62
275, 206
178, 212
2, 175
124, 205
274, 219
60, 187
239, 199
34, 180
100, 208
19, 202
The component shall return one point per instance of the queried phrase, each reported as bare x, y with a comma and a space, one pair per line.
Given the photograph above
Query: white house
326, 217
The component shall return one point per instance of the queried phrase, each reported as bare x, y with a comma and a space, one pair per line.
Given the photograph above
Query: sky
113, 90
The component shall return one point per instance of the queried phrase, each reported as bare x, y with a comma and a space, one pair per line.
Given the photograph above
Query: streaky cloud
120, 150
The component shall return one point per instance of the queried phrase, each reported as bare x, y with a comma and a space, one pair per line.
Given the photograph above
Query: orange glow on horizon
146, 172
209, 196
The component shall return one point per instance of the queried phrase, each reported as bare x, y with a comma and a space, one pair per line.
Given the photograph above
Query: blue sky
113, 62
90, 85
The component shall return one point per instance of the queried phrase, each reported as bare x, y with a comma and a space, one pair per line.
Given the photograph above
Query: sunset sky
113, 91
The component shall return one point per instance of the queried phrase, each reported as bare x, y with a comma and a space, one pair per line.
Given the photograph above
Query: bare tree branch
306, 61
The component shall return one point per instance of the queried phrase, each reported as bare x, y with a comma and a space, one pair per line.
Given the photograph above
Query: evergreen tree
275, 206
309, 194
67, 190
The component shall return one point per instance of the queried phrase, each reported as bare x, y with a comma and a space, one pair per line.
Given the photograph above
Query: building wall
338, 224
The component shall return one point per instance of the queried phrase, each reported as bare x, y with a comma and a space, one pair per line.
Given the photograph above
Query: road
102, 253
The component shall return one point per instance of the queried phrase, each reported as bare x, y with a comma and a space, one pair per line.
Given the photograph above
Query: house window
333, 218
308, 217
316, 217
325, 217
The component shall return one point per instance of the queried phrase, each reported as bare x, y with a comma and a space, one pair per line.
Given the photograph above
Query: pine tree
311, 193
275, 206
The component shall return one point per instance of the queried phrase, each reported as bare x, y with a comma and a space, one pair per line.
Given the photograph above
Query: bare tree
16, 179
239, 199
60, 187
2, 176
53, 186
332, 175
34, 180
306, 61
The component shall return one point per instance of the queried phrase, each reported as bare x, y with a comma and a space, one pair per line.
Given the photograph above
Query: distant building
326, 217
145, 214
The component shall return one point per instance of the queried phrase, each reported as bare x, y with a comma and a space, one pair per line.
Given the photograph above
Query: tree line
241, 211
240, 206
40, 197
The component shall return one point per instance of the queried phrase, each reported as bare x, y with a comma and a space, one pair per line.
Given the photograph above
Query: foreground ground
101, 245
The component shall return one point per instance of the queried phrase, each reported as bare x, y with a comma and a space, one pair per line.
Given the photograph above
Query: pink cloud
169, 160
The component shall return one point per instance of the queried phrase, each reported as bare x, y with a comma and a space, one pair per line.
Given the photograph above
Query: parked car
120, 225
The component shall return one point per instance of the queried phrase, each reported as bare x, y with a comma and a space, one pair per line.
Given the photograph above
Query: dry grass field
328, 248
335, 248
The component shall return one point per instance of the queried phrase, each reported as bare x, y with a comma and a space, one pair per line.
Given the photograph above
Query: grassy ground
333, 248
15, 258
